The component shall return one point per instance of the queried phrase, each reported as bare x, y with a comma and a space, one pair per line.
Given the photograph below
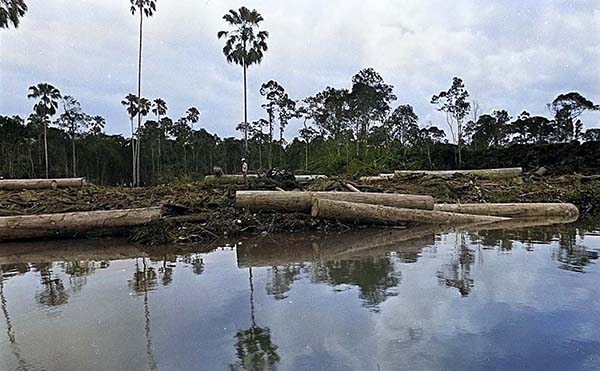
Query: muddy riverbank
215, 216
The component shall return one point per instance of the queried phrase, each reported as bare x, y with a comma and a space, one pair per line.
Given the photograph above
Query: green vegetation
344, 131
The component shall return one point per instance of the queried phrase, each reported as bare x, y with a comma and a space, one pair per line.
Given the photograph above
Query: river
420, 298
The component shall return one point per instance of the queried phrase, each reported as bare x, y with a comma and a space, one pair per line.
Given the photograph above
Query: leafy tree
402, 123
529, 129
159, 108
566, 109
192, 115
369, 102
46, 107
426, 138
244, 46
73, 120
11, 11
454, 104
273, 93
489, 130
144, 8
592, 135
97, 124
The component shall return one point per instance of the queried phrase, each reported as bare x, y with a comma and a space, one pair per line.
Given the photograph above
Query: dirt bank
215, 216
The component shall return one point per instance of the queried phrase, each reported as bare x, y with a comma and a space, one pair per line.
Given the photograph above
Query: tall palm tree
144, 106
97, 124
144, 8
192, 115
159, 108
131, 104
10, 11
245, 47
46, 107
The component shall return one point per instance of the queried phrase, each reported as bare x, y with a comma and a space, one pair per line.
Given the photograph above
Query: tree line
344, 130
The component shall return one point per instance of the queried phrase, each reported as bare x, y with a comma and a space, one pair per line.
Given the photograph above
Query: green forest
363, 129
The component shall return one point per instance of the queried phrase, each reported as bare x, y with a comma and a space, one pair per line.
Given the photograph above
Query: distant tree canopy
349, 131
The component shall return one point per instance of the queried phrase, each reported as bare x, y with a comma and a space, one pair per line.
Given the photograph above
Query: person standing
244, 168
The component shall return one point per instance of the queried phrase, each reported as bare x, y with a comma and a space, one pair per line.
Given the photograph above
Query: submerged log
303, 201
53, 225
16, 184
502, 173
331, 209
513, 210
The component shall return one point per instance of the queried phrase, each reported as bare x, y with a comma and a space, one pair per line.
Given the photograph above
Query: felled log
502, 173
54, 225
376, 177
342, 210
16, 184
513, 210
309, 177
303, 201
229, 177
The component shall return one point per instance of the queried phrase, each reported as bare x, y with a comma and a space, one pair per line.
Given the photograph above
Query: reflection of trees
53, 293
282, 279
573, 257
79, 270
457, 273
144, 279
166, 269
10, 332
196, 261
375, 277
254, 348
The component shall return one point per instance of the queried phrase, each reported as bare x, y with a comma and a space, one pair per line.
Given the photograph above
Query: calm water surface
371, 300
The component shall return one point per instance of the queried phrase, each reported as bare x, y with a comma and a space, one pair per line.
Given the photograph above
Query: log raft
352, 211
513, 210
303, 201
17, 184
53, 225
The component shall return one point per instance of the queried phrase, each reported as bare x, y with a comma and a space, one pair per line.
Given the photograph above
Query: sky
514, 55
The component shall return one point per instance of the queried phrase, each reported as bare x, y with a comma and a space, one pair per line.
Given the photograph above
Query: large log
16, 184
376, 178
502, 173
303, 201
513, 210
309, 177
54, 225
331, 209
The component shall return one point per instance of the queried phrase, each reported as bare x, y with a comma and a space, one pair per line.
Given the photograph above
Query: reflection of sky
522, 313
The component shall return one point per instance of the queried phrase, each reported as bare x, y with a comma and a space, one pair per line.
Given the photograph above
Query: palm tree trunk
132, 152
137, 152
46, 146
73, 151
245, 114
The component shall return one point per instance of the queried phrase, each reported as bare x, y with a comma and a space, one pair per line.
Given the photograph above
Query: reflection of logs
329, 209
520, 223
302, 201
349, 245
51, 225
513, 210
41, 183
82, 250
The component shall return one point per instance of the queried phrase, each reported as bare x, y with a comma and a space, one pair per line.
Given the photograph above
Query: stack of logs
394, 209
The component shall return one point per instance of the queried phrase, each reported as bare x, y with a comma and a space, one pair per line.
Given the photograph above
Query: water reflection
313, 300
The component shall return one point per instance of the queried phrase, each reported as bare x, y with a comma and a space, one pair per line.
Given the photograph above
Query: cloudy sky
515, 55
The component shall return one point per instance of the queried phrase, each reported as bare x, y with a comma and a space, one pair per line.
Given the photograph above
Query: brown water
372, 300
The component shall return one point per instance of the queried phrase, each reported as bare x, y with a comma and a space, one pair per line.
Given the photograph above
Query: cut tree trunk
16, 184
54, 225
342, 210
303, 201
376, 178
503, 173
513, 210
